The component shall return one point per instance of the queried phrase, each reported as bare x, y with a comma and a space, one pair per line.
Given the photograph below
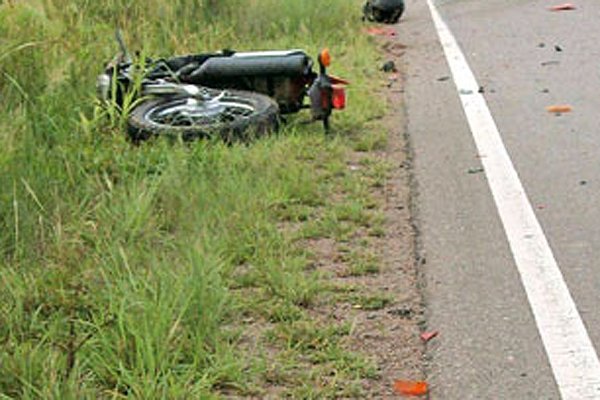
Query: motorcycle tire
233, 115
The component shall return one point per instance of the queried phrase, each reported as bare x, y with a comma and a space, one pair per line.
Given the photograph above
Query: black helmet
387, 11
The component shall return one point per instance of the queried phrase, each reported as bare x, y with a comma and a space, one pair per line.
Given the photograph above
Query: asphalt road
526, 58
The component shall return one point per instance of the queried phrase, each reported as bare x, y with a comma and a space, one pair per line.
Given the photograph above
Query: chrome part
103, 87
162, 87
199, 112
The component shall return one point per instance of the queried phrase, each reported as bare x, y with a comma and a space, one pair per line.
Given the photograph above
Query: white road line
570, 351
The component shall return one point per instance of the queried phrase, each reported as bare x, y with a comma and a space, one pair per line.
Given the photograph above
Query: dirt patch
391, 334
384, 307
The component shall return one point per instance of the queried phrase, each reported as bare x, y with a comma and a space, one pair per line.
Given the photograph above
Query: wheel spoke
191, 112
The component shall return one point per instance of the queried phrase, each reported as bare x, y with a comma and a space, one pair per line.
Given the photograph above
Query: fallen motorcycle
229, 94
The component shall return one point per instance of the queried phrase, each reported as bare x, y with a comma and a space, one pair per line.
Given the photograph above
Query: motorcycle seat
258, 64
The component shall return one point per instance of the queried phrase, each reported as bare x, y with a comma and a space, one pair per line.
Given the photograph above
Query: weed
370, 302
361, 262
371, 142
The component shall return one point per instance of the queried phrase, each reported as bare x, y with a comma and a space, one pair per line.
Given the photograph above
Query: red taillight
338, 98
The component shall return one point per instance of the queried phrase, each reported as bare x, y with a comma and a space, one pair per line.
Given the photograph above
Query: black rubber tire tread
264, 119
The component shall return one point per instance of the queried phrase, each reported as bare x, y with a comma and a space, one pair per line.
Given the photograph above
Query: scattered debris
376, 31
427, 336
403, 312
558, 48
389, 66
394, 48
393, 78
559, 109
475, 170
563, 7
552, 62
443, 78
411, 388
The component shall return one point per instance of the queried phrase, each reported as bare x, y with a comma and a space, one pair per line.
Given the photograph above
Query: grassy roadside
163, 271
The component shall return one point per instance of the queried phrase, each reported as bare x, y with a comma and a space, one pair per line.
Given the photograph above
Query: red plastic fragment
375, 31
427, 336
411, 388
563, 7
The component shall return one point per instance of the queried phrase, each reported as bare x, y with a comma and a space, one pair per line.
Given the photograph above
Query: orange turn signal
325, 57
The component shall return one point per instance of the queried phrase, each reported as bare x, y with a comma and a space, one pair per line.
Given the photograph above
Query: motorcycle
230, 94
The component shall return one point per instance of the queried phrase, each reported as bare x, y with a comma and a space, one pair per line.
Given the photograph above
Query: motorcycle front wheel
231, 115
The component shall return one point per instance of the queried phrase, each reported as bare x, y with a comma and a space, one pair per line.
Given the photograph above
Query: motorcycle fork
326, 93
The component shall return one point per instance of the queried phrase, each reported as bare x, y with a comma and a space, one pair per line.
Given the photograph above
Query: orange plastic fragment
559, 109
411, 388
563, 7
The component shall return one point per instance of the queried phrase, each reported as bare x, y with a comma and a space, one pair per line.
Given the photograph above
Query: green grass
125, 270
362, 263
371, 302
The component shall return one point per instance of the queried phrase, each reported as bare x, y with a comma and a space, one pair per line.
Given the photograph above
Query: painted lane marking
570, 351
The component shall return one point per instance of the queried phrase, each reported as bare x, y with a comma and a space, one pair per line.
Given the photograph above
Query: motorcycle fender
315, 95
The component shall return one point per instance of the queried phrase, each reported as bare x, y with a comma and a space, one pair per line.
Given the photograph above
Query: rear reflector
339, 97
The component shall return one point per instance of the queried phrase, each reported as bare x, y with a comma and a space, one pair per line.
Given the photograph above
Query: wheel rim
191, 112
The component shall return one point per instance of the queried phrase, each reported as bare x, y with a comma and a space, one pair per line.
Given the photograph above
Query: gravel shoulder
392, 334
389, 331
